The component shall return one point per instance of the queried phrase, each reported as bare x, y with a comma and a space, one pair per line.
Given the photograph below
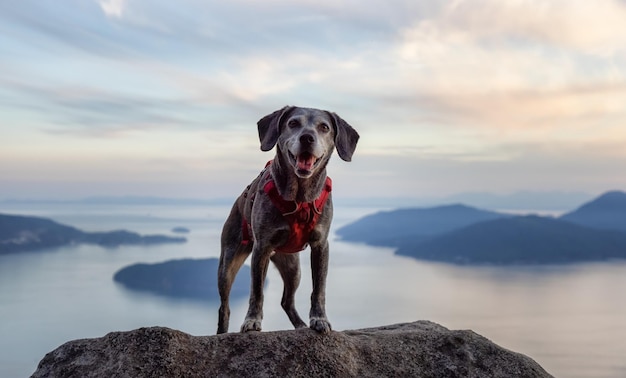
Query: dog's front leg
319, 270
260, 262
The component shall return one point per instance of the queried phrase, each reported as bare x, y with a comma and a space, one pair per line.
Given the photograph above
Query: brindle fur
294, 131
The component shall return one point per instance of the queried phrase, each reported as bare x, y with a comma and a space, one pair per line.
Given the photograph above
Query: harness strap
302, 217
246, 235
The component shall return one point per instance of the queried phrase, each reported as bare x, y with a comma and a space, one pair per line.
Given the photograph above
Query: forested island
20, 233
186, 278
460, 234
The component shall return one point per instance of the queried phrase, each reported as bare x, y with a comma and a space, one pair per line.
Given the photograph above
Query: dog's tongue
306, 161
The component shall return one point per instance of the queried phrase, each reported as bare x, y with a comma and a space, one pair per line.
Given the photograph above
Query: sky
161, 98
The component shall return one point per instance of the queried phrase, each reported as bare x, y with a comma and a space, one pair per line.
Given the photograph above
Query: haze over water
568, 318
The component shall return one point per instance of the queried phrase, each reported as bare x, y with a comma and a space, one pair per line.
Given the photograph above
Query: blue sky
161, 98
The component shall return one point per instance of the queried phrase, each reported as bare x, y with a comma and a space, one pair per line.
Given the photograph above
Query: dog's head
307, 137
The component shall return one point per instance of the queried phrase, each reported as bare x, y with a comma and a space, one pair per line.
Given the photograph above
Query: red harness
301, 217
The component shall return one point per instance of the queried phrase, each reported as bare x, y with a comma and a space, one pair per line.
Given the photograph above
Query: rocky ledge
419, 349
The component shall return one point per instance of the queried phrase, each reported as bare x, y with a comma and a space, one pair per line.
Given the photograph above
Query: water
569, 318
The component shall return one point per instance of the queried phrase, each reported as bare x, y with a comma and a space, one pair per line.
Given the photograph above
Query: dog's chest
302, 217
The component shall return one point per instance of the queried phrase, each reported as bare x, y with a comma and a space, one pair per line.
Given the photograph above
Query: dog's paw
321, 325
251, 324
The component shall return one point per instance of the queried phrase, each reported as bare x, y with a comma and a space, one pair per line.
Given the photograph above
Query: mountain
608, 211
521, 200
520, 240
25, 233
187, 278
21, 233
390, 228
124, 200
461, 234
558, 201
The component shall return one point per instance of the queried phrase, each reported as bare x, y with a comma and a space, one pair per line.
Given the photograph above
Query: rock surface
419, 349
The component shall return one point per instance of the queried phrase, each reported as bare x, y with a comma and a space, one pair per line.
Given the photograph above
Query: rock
419, 349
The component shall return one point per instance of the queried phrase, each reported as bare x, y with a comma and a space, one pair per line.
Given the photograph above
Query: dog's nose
307, 139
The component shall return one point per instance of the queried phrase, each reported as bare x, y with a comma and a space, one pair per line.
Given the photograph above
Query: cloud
520, 69
438, 84
113, 8
588, 27
441, 62
503, 43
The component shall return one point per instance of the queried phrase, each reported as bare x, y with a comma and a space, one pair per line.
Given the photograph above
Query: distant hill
520, 240
21, 233
25, 233
461, 234
391, 228
188, 278
125, 200
605, 212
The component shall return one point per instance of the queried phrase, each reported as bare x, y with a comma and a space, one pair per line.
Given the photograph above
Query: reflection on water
568, 318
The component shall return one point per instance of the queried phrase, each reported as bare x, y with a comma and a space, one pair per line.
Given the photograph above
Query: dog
287, 207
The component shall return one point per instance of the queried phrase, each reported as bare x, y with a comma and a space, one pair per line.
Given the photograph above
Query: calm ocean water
571, 319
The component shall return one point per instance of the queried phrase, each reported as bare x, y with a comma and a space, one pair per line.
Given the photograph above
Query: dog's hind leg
288, 265
230, 263
232, 258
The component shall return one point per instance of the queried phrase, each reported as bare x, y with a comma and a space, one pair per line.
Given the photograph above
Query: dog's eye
324, 127
293, 123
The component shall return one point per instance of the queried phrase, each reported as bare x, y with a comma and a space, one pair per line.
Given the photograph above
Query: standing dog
285, 208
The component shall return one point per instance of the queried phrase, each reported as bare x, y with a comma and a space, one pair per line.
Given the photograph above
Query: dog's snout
307, 139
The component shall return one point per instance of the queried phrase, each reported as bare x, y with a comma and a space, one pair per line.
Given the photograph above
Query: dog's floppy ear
269, 128
345, 137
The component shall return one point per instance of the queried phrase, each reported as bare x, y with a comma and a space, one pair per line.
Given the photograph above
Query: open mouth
305, 162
